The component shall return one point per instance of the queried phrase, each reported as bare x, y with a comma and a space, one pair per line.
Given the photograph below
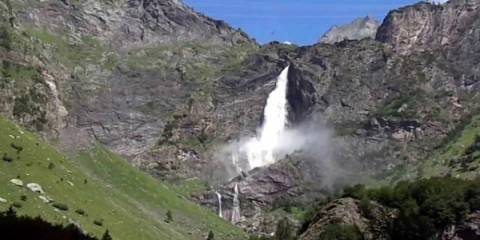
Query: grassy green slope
460, 157
131, 204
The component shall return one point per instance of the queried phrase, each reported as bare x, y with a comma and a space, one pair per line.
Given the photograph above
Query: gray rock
373, 225
430, 26
358, 29
3, 200
45, 199
17, 182
469, 229
35, 187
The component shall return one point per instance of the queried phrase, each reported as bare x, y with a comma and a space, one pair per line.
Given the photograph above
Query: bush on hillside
98, 222
169, 216
6, 158
23, 227
60, 206
80, 212
106, 236
284, 230
210, 236
341, 232
16, 147
425, 206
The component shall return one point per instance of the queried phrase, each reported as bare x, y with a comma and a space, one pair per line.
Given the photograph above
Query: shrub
6, 158
210, 236
17, 205
341, 232
358, 191
80, 212
311, 214
284, 230
60, 206
5, 38
106, 236
23, 198
16, 147
98, 222
365, 207
169, 217
259, 238
51, 166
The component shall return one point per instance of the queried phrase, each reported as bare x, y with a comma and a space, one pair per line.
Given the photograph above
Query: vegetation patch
24, 227
341, 232
458, 156
111, 189
426, 207
60, 206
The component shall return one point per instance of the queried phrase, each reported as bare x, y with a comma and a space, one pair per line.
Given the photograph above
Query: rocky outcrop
372, 221
428, 26
358, 29
118, 73
469, 229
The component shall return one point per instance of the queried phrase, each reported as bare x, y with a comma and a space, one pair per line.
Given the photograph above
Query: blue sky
298, 21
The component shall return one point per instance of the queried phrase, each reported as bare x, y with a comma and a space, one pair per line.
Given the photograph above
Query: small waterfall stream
236, 206
220, 210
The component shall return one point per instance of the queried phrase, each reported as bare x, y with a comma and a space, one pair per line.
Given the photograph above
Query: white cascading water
236, 206
220, 211
260, 150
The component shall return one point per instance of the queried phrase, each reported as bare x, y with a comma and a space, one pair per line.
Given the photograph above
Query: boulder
469, 229
35, 187
371, 220
17, 182
45, 199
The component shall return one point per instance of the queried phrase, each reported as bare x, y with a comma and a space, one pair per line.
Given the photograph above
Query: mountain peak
360, 28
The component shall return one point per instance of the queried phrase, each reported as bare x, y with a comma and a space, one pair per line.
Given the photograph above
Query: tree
169, 217
341, 232
106, 236
284, 230
210, 236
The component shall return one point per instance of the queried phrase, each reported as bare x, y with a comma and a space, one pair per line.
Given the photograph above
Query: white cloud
438, 1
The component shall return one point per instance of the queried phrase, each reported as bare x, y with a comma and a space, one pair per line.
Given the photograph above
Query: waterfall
220, 211
260, 150
236, 206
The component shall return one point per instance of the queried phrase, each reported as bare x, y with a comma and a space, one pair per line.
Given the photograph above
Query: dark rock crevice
301, 93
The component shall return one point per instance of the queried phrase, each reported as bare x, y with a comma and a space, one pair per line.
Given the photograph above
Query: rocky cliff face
120, 69
372, 223
428, 26
468, 229
358, 29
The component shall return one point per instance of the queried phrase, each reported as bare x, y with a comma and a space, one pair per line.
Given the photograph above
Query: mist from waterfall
275, 141
260, 150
